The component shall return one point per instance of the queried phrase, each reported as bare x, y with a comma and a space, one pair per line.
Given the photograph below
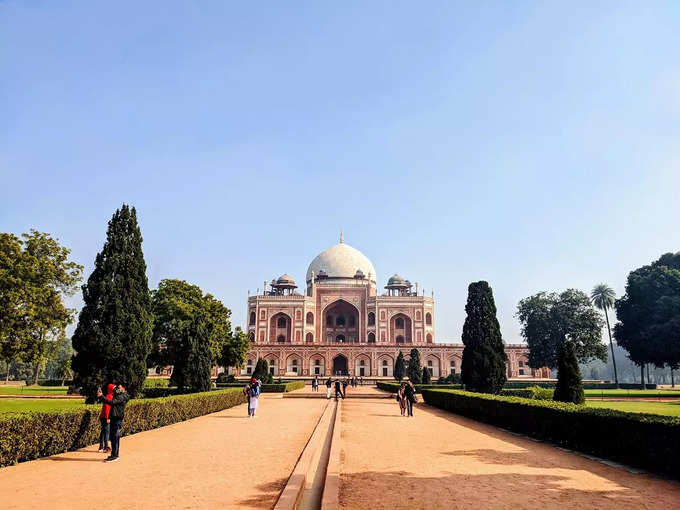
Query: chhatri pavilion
342, 325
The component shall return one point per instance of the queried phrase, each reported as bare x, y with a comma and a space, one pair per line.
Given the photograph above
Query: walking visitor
105, 422
328, 388
254, 394
401, 398
410, 394
315, 384
338, 389
116, 415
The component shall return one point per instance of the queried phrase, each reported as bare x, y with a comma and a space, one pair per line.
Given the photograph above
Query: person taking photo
116, 415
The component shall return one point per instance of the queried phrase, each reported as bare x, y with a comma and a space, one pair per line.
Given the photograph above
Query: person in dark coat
329, 383
338, 389
116, 415
410, 394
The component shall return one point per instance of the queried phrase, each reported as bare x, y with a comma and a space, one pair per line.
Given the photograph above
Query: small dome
396, 280
359, 274
285, 279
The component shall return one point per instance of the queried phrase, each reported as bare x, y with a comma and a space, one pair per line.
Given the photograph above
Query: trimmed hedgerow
645, 440
269, 388
586, 386
155, 382
394, 386
533, 392
27, 436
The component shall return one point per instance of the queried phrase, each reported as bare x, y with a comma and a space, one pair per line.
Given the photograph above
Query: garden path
441, 460
222, 460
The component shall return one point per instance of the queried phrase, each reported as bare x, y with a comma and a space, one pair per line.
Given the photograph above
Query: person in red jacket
105, 422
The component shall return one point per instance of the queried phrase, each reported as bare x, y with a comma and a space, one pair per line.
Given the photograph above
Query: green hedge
155, 382
282, 387
394, 386
27, 436
644, 440
533, 392
586, 386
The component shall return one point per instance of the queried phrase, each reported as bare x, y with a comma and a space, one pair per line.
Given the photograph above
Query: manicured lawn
665, 408
20, 405
33, 390
632, 393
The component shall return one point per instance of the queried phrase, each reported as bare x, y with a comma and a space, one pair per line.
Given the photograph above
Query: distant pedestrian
315, 384
401, 398
338, 389
254, 393
116, 415
410, 393
105, 421
328, 387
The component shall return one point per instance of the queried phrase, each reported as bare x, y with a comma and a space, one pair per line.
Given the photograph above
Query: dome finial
342, 239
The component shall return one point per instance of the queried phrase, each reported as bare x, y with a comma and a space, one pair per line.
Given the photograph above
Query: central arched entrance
340, 365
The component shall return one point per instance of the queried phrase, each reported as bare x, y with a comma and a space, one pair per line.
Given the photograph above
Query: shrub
155, 382
160, 392
427, 377
280, 387
28, 436
394, 386
569, 385
645, 440
225, 378
532, 392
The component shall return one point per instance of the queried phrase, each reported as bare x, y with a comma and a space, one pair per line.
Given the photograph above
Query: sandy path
440, 460
223, 460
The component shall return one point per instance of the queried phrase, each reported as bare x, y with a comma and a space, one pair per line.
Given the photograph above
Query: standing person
345, 383
254, 393
315, 383
410, 393
116, 415
246, 392
338, 389
328, 388
401, 398
105, 421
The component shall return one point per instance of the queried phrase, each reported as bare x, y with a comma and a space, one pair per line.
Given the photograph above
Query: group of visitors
406, 396
252, 390
339, 386
111, 418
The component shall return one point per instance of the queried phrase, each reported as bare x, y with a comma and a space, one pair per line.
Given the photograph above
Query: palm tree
603, 297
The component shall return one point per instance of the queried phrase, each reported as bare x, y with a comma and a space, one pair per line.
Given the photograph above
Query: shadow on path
270, 493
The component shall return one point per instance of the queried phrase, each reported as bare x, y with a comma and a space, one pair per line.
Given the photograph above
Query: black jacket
409, 393
117, 404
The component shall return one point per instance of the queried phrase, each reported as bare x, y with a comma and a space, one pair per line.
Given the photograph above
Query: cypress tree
484, 358
399, 367
569, 387
427, 377
262, 371
415, 371
191, 372
113, 336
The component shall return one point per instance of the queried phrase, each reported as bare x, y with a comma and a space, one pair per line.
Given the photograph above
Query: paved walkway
223, 460
440, 460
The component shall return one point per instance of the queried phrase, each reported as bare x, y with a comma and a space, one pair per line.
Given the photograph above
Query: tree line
122, 328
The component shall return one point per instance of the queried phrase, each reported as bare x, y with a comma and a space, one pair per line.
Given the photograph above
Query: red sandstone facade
340, 325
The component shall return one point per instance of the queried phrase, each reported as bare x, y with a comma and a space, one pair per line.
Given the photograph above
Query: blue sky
533, 145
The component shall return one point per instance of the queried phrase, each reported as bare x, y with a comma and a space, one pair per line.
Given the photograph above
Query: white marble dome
341, 261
